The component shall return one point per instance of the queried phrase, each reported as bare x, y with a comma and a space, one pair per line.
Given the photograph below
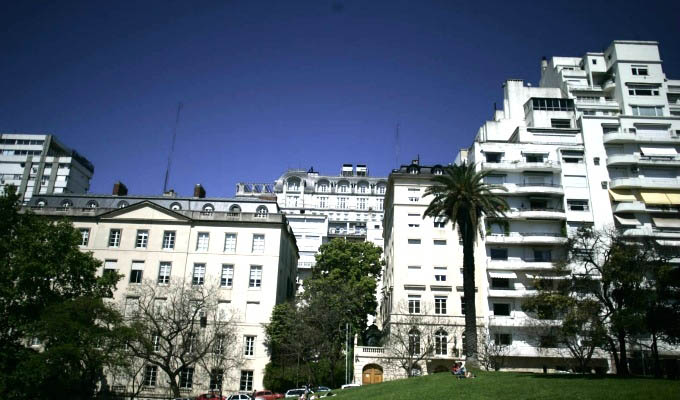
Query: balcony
517, 165
520, 264
623, 159
633, 137
583, 88
635, 206
536, 213
533, 188
597, 103
526, 238
649, 183
510, 293
347, 232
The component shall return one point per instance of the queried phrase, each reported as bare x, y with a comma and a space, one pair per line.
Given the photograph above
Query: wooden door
372, 374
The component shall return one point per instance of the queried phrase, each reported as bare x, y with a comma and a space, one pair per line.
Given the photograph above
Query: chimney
199, 191
170, 193
119, 189
544, 63
347, 170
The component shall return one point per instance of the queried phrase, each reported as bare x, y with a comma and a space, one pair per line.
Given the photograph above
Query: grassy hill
508, 385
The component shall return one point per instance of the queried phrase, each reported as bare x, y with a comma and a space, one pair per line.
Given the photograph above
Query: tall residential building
243, 247
322, 207
596, 144
40, 164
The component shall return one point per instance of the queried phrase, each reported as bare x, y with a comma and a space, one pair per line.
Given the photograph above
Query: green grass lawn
510, 385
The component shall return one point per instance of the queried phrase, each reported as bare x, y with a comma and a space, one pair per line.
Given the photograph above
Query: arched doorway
372, 373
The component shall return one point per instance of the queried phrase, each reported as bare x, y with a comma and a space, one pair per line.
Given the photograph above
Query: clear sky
272, 85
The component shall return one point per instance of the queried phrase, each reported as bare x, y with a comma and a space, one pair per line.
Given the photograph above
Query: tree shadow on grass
580, 376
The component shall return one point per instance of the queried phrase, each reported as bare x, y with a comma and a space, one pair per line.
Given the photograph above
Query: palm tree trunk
470, 297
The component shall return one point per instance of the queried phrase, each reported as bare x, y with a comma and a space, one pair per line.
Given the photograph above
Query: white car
350, 385
239, 397
295, 393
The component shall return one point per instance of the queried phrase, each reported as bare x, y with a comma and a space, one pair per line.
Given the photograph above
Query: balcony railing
542, 184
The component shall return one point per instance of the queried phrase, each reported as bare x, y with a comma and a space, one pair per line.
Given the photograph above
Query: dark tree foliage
50, 294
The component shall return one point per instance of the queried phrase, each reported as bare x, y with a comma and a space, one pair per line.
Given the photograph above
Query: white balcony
635, 206
517, 165
517, 264
526, 238
597, 103
650, 183
536, 214
623, 159
649, 231
505, 293
533, 188
633, 137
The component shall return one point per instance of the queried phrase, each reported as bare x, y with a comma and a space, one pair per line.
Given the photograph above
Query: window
381, 189
414, 225
208, 209
262, 212
136, 271
413, 199
439, 222
493, 157
156, 342
440, 305
186, 377
542, 255
164, 272
202, 241
198, 275
414, 341
643, 90
114, 238
552, 104
175, 206
230, 243
439, 242
293, 185
414, 304
363, 188
380, 204
548, 341
534, 158
577, 205
362, 203
323, 202
216, 375
502, 309
639, 70
246, 384
499, 254
343, 188
572, 156
168, 240
150, 375
255, 280
594, 61
235, 209
440, 274
249, 346
647, 111
142, 239
323, 187
462, 308
131, 306
495, 179
560, 123
227, 278
502, 339
342, 202
258, 244
218, 347
596, 160
414, 241
84, 236
440, 342
500, 283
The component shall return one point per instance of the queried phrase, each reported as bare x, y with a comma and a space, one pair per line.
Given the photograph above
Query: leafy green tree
461, 197
51, 296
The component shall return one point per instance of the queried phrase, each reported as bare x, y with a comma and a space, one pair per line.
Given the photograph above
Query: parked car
239, 396
349, 385
321, 389
266, 395
211, 396
295, 393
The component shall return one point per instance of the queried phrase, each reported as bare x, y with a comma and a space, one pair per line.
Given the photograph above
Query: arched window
413, 169
175, 206
437, 170
381, 188
41, 203
441, 341
92, 204
208, 209
122, 204
293, 184
235, 208
414, 342
343, 187
323, 186
362, 187
66, 204
261, 212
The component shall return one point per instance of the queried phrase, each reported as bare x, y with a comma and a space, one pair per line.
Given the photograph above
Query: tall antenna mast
396, 146
172, 148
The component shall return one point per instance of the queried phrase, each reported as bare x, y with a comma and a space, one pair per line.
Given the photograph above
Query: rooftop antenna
172, 147
396, 146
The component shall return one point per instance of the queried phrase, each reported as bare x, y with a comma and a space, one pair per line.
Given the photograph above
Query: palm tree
462, 197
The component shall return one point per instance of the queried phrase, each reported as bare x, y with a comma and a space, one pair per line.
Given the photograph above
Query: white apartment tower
323, 207
40, 164
595, 143
243, 247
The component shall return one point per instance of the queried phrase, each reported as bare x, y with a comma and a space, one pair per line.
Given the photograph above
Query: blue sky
272, 85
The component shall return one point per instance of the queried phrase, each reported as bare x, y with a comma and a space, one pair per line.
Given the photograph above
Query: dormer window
122, 204
413, 169
437, 171
175, 206
92, 204
261, 212
41, 203
235, 209
66, 204
293, 185
208, 209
